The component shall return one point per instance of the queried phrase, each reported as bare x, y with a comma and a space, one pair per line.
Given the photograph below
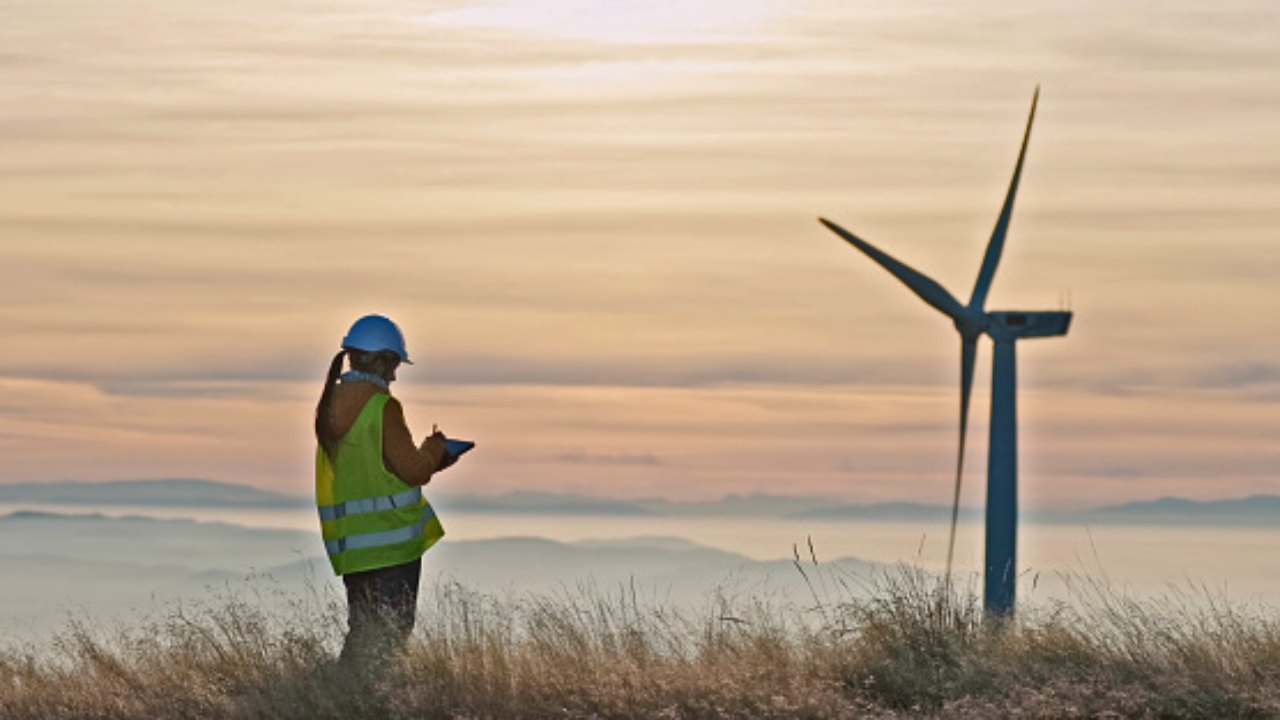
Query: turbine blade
926, 288
968, 354
978, 300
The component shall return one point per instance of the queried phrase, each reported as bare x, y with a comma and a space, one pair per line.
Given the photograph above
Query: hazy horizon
197, 493
117, 572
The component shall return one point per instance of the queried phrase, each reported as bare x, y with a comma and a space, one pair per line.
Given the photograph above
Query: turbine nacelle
1005, 325
1012, 324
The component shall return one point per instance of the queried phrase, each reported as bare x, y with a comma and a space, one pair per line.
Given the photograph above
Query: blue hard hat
375, 333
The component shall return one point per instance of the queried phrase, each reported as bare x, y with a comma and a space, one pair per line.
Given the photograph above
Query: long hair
324, 434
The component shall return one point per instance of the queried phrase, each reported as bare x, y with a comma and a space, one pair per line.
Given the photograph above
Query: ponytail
323, 434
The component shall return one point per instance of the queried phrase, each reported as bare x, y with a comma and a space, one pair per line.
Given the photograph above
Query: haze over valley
123, 552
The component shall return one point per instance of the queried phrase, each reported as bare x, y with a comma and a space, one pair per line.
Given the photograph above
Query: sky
596, 224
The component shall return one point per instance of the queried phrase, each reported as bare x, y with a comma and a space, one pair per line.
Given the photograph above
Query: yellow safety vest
369, 517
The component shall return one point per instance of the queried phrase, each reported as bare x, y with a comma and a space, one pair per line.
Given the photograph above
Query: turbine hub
971, 324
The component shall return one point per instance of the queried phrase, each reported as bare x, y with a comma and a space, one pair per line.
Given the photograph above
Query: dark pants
380, 610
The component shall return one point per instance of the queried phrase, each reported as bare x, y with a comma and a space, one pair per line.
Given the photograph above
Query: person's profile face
389, 362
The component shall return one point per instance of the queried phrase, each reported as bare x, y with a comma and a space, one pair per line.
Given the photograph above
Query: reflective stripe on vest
378, 539
371, 505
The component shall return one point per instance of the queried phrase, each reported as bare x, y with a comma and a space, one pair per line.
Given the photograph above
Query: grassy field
905, 647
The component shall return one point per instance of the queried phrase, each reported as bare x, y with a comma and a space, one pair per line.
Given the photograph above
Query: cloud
1237, 375
579, 458
233, 377
1191, 45
1120, 472
639, 22
674, 371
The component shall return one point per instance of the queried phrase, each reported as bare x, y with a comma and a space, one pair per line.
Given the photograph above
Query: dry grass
908, 648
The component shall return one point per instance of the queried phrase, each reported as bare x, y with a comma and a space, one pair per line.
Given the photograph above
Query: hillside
909, 649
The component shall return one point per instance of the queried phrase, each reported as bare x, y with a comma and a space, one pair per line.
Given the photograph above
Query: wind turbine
1005, 328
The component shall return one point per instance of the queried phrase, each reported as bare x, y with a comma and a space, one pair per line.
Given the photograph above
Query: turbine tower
1005, 328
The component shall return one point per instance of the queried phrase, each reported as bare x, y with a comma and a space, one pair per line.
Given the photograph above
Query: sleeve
411, 463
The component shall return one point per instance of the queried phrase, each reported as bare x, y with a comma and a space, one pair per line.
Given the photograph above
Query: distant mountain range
181, 492
60, 566
1254, 511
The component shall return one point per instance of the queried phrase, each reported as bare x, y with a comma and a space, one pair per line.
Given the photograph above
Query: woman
369, 476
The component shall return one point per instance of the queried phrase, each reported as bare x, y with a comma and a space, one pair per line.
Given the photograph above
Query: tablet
457, 447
